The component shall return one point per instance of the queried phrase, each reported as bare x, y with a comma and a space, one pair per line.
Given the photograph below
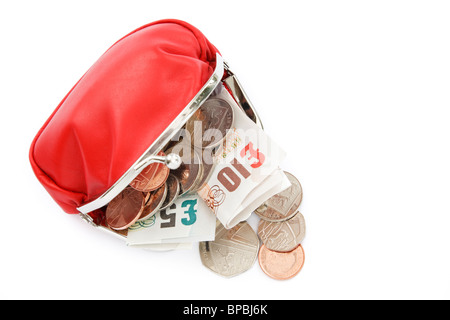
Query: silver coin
207, 169
283, 205
208, 126
233, 251
283, 236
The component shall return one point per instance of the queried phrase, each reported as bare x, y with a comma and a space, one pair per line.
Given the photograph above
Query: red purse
128, 105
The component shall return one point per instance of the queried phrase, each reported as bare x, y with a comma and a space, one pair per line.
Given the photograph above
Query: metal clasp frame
240, 96
173, 161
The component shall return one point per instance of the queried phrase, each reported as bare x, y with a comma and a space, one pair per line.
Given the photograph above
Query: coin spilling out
281, 265
153, 202
173, 190
233, 251
283, 205
191, 167
125, 209
282, 236
209, 124
281, 227
152, 177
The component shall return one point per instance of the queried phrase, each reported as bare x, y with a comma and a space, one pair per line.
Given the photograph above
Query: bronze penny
153, 202
152, 177
209, 124
190, 169
102, 223
125, 209
283, 205
282, 236
173, 190
281, 265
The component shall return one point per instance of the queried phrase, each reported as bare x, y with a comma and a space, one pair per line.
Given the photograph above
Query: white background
357, 93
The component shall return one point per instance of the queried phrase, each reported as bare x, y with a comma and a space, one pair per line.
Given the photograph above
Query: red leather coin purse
128, 105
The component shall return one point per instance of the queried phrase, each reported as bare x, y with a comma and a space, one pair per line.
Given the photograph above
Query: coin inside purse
211, 113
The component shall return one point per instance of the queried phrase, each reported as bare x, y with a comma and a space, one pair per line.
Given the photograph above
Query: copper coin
281, 265
282, 236
283, 205
153, 202
152, 177
125, 209
190, 169
210, 123
173, 190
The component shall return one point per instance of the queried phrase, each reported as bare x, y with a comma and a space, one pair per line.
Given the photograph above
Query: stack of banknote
230, 170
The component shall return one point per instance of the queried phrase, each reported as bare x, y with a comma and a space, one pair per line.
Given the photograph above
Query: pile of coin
145, 196
281, 230
154, 189
157, 187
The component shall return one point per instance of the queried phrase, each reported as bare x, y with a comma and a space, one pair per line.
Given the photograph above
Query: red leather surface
118, 108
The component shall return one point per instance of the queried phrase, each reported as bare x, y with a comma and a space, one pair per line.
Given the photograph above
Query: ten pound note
246, 169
